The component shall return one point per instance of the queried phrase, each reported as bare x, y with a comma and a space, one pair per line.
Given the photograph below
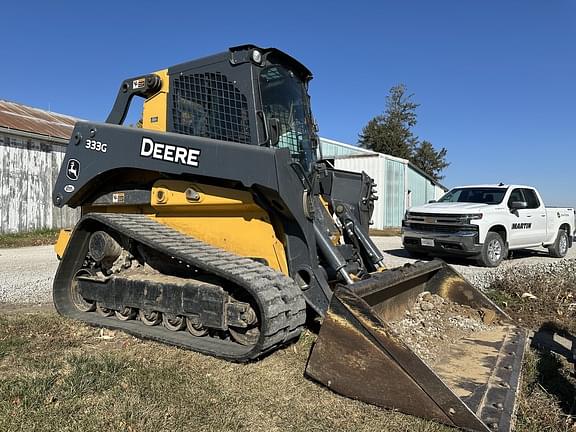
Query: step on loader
216, 226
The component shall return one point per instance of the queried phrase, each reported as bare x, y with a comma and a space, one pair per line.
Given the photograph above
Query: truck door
537, 232
525, 222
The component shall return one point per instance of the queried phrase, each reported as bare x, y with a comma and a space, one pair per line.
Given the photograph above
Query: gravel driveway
528, 260
26, 274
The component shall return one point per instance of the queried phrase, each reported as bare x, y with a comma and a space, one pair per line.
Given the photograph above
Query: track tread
280, 298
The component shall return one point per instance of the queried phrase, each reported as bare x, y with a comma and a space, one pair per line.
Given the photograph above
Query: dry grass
547, 394
59, 375
32, 238
553, 304
548, 398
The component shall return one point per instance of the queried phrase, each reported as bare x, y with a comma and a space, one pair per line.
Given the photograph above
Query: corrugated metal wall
333, 150
394, 177
438, 192
28, 171
394, 198
375, 168
421, 188
430, 191
389, 175
417, 188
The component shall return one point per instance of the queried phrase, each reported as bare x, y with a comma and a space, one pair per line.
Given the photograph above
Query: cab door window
516, 195
531, 198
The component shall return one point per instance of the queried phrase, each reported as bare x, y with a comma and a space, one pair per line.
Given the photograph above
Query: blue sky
496, 80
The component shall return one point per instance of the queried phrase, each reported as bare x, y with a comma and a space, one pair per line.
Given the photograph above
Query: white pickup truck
487, 221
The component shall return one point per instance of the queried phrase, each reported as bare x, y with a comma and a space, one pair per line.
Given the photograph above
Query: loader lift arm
143, 86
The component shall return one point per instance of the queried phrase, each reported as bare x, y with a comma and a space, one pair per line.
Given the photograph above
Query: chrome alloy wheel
494, 250
563, 245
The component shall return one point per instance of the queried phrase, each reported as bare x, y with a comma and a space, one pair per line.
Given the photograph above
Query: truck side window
516, 195
531, 198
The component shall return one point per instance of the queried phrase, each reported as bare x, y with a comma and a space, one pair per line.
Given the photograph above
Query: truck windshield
284, 98
475, 195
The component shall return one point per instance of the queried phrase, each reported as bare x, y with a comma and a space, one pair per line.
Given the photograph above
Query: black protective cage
213, 97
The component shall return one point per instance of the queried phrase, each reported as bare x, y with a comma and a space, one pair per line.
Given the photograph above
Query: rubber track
281, 303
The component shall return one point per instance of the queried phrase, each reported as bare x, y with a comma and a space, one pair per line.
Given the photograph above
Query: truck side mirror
518, 205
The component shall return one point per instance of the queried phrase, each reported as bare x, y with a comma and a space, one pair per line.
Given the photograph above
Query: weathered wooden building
32, 147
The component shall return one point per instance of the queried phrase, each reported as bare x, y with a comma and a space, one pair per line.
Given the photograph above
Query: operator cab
247, 95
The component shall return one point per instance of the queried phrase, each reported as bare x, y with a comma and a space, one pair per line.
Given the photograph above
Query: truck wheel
560, 247
493, 251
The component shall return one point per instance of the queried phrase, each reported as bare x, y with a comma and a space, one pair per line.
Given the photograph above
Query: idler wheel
80, 302
150, 318
247, 335
126, 314
103, 311
173, 322
195, 328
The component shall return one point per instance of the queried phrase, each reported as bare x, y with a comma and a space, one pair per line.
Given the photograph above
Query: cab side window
516, 195
531, 198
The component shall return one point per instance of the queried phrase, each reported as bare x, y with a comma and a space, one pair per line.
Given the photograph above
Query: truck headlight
474, 216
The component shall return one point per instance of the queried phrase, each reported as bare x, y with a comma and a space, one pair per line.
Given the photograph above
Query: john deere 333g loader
215, 227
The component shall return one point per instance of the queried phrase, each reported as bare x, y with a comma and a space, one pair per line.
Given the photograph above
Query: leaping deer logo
73, 169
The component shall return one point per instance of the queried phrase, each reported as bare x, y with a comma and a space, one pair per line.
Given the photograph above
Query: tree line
391, 133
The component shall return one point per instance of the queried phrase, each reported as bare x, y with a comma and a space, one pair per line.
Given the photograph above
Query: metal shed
400, 183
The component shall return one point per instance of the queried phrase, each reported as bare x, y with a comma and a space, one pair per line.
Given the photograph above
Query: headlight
257, 56
467, 218
474, 216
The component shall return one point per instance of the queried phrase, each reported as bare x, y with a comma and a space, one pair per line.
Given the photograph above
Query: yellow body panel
225, 218
154, 111
62, 242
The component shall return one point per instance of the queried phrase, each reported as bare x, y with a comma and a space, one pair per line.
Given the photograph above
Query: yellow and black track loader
215, 227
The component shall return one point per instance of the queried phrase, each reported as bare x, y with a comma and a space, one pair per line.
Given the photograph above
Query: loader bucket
358, 353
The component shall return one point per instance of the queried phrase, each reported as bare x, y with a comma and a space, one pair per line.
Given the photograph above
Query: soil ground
61, 375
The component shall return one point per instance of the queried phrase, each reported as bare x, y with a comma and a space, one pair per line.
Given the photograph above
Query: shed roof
23, 118
349, 149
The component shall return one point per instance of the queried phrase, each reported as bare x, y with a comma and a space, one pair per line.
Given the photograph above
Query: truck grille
431, 218
445, 229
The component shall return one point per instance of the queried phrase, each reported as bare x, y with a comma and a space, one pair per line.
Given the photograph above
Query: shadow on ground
402, 253
467, 262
